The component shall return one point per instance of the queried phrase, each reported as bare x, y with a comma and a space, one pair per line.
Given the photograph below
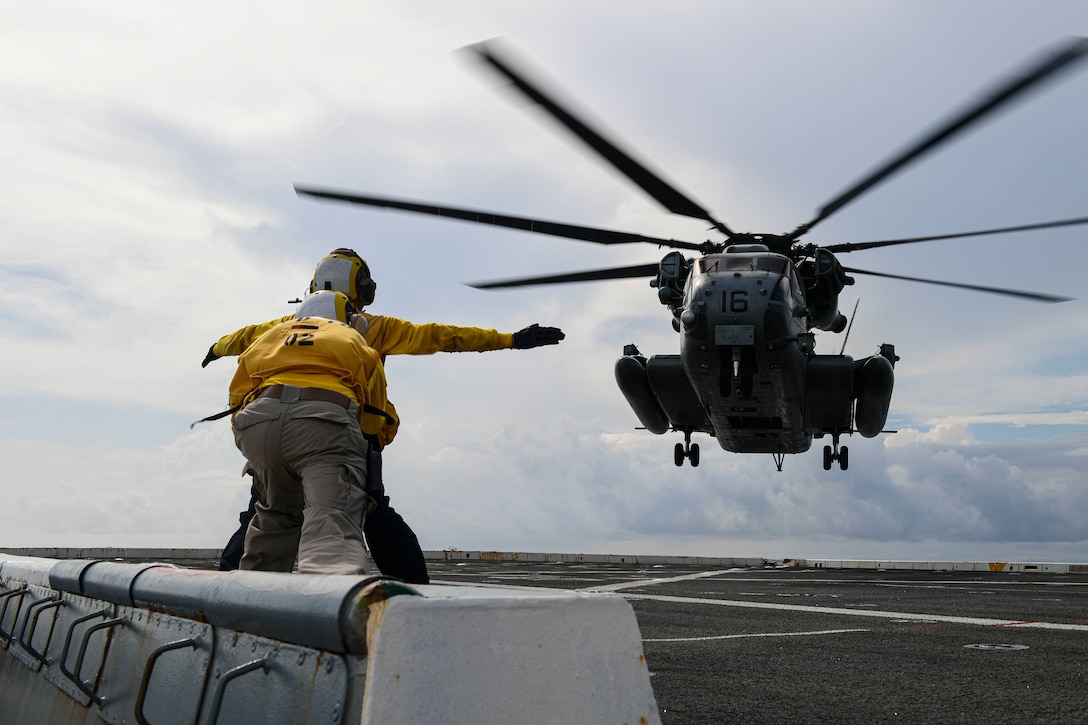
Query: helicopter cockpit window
762, 263
772, 264
797, 287
742, 263
781, 289
708, 265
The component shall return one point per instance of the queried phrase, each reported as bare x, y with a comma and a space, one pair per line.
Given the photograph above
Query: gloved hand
534, 336
209, 357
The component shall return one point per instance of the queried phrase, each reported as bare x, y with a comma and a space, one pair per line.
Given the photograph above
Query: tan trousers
310, 463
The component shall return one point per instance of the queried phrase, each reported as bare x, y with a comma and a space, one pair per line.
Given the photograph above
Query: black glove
534, 336
209, 357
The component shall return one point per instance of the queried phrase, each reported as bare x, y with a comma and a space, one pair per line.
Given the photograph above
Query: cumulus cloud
148, 208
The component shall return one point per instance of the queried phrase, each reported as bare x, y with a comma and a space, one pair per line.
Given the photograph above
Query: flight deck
762, 641
782, 642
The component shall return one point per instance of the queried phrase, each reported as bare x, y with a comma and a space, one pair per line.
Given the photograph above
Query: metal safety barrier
91, 641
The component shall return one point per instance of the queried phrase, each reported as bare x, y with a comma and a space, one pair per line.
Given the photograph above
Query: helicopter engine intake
671, 276
824, 279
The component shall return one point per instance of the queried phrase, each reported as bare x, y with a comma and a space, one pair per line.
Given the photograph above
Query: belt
328, 396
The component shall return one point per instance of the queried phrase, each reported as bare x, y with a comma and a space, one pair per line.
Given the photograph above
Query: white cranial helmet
329, 305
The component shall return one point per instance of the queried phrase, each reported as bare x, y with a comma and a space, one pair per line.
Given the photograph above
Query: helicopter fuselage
747, 372
744, 333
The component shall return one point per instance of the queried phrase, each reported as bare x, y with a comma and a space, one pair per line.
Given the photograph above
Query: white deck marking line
654, 582
978, 621
755, 634
603, 588
491, 585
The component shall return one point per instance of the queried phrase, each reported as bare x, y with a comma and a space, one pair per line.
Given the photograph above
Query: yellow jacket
389, 336
314, 353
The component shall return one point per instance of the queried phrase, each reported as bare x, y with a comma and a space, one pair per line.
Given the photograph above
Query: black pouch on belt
374, 485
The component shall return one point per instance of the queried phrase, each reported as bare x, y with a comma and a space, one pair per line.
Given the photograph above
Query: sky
148, 155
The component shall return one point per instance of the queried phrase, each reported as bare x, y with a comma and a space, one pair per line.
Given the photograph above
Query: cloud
147, 208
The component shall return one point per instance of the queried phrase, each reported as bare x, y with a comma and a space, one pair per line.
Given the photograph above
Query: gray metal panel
32, 625
83, 659
157, 668
260, 680
71, 635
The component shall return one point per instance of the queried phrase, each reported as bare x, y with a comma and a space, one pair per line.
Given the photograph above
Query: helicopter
746, 307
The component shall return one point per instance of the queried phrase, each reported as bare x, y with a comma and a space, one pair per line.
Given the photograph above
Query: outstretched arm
236, 342
392, 336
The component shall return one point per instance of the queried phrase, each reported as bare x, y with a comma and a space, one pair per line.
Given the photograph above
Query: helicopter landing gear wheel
687, 450
842, 455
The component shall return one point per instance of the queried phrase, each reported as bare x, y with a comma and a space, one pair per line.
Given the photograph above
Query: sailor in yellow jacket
393, 544
305, 387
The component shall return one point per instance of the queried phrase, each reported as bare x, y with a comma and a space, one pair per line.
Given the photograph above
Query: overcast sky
148, 152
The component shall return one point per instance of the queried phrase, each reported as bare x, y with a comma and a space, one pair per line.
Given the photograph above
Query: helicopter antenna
849, 325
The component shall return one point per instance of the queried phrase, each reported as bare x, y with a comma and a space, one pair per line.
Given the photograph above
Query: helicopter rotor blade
641, 270
1036, 296
538, 226
855, 246
665, 193
1032, 75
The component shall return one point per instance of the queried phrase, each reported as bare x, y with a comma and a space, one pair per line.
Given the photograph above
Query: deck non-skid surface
773, 645
791, 644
